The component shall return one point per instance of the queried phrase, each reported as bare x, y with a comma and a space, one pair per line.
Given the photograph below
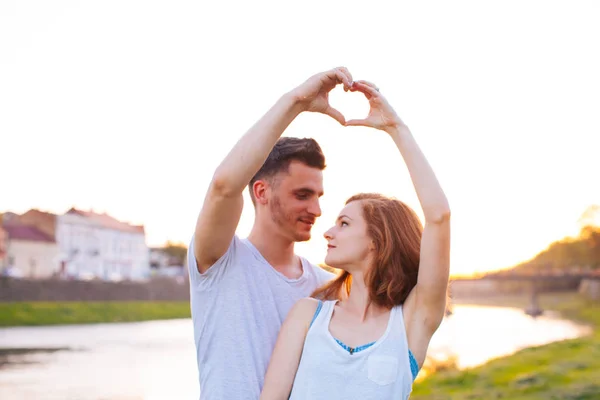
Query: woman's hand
381, 114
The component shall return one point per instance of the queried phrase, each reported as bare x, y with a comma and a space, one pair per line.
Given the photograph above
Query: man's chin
302, 237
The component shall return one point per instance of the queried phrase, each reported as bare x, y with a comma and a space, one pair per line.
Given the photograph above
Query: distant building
90, 245
3, 246
7, 217
42, 220
30, 253
100, 246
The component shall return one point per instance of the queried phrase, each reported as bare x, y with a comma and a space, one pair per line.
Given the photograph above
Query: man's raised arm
223, 203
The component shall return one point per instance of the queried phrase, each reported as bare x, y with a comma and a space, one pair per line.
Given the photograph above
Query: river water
156, 359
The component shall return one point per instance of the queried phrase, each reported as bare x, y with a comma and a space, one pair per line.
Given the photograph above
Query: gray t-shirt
238, 307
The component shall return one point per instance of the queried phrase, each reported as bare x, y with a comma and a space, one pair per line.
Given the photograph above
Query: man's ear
260, 189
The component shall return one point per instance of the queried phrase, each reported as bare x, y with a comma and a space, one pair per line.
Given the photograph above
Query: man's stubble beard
286, 223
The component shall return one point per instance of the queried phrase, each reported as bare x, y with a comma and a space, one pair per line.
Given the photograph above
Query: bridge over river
534, 283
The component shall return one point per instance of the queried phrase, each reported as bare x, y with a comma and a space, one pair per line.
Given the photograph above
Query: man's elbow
220, 188
225, 186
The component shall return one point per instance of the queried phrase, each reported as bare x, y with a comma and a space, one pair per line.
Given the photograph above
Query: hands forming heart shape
314, 97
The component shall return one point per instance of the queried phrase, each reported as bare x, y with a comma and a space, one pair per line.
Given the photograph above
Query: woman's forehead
352, 209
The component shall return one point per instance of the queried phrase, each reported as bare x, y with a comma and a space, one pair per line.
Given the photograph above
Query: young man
242, 289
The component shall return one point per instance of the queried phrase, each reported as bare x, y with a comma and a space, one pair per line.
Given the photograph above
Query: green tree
176, 250
582, 251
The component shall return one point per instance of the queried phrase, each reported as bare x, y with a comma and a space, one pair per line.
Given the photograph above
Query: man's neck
277, 250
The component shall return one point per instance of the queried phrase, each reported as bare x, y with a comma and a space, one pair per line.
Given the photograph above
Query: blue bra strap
317, 311
414, 367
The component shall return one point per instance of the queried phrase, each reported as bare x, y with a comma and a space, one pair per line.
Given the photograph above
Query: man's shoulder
322, 273
235, 253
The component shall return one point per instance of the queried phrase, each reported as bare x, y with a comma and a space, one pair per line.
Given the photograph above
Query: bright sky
128, 107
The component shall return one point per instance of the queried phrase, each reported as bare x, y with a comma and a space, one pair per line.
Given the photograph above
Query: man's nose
315, 208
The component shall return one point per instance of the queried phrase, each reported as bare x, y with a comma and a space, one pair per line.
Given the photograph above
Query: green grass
55, 313
563, 370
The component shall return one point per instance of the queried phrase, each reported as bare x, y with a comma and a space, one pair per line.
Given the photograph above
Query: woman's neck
358, 302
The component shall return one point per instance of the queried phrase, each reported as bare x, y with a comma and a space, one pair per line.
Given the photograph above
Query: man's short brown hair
286, 150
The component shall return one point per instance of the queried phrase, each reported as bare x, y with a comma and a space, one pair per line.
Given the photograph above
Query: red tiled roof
107, 221
47, 216
27, 232
44, 221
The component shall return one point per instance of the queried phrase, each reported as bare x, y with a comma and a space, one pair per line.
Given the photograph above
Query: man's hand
313, 94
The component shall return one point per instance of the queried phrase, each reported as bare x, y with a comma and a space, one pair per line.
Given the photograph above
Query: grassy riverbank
57, 313
562, 370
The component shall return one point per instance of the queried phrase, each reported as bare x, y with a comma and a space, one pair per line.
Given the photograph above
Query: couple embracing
268, 323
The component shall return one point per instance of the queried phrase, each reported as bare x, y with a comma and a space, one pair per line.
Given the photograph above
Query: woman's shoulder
307, 304
304, 310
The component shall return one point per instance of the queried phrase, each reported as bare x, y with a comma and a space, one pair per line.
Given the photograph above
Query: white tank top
328, 371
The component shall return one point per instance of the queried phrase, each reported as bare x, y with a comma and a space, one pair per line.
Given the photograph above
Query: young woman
365, 334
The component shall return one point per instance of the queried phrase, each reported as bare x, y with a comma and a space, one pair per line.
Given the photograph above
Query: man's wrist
289, 105
295, 101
